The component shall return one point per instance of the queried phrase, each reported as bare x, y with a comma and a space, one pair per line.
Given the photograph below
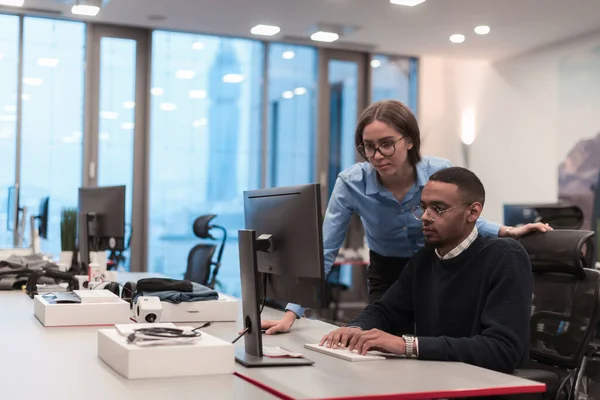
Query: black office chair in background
200, 258
565, 308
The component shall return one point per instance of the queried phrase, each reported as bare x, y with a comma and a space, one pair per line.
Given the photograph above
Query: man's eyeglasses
386, 149
433, 212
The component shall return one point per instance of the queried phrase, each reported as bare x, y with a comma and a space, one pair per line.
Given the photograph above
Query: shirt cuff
296, 309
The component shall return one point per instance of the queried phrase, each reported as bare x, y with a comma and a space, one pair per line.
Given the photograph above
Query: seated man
465, 297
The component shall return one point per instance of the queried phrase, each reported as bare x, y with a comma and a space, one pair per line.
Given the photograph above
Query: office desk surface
62, 363
332, 378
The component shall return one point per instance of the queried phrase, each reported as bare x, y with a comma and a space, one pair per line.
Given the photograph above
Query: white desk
333, 378
62, 363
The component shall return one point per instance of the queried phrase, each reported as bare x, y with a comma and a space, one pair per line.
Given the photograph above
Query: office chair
561, 216
200, 257
565, 308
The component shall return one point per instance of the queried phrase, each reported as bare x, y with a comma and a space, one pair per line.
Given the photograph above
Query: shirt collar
461, 247
374, 186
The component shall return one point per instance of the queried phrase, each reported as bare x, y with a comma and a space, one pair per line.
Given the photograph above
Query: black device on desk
282, 247
101, 221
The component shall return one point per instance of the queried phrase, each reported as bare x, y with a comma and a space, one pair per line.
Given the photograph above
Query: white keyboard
344, 354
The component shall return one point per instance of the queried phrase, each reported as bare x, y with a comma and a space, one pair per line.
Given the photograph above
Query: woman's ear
409, 144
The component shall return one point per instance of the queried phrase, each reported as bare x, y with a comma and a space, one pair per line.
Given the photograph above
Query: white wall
528, 111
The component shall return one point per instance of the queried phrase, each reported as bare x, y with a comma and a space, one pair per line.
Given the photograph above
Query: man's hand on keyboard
376, 339
340, 337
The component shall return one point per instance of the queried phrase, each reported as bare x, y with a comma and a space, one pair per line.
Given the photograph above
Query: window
205, 144
292, 85
395, 78
52, 121
9, 52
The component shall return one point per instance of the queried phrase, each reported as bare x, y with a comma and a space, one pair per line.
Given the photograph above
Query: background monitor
42, 218
281, 255
101, 220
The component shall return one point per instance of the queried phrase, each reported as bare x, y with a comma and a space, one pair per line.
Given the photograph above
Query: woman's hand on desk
282, 325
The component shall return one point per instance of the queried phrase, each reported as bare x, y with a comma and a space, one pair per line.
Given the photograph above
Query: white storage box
208, 356
110, 313
225, 309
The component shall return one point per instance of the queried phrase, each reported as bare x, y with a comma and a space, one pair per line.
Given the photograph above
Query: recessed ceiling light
482, 30
197, 94
33, 81
127, 126
104, 136
90, 11
12, 3
288, 55
323, 36
457, 38
197, 46
47, 62
299, 91
185, 74
168, 106
265, 30
200, 122
233, 78
109, 114
129, 104
375, 63
410, 3
156, 91
288, 94
25, 96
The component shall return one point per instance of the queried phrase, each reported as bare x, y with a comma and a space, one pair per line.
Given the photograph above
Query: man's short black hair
468, 183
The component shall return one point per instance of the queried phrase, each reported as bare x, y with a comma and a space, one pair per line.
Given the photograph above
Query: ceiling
517, 26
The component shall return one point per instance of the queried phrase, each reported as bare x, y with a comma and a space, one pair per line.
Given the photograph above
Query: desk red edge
501, 391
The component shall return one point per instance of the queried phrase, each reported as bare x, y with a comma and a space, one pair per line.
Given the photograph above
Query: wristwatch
411, 351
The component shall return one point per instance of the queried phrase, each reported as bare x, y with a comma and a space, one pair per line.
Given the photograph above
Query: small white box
225, 309
97, 296
81, 314
208, 356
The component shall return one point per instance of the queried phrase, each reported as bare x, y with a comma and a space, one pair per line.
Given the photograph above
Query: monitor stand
252, 356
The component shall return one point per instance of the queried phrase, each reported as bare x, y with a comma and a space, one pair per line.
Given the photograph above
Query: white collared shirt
461, 247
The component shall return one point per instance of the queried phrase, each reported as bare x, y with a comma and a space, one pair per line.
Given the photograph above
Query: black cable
241, 334
262, 306
202, 326
264, 299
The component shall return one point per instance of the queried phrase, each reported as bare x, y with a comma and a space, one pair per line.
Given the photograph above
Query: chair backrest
566, 296
199, 263
561, 216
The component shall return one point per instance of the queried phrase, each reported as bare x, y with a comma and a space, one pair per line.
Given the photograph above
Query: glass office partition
116, 141
291, 108
205, 144
116, 122
394, 77
9, 61
52, 120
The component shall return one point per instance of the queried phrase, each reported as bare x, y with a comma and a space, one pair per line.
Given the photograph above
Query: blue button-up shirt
390, 228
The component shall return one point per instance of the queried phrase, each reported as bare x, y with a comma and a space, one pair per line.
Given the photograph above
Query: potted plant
68, 234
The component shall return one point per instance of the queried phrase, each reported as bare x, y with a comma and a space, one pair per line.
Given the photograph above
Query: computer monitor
281, 256
42, 218
101, 220
13, 210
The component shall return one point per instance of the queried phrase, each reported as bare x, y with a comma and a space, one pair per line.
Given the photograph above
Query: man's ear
474, 212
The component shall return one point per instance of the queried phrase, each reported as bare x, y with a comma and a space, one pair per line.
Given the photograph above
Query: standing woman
383, 191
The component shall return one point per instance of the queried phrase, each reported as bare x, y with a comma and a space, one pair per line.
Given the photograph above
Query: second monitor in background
101, 220
281, 254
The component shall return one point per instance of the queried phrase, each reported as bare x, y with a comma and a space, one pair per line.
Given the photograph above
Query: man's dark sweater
473, 308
